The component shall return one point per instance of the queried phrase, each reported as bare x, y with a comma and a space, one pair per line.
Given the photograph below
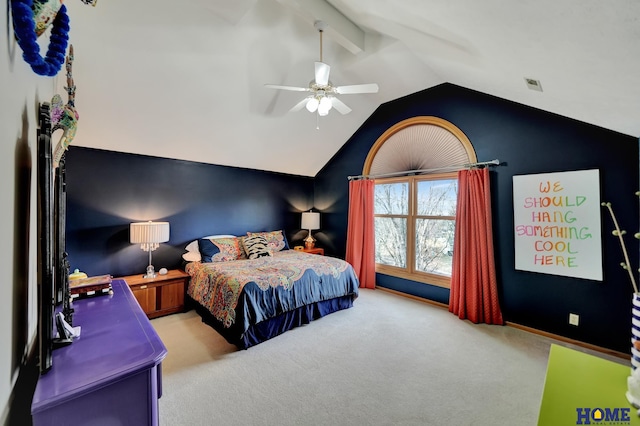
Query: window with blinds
415, 213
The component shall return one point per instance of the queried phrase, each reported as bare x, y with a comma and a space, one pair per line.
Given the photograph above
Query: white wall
21, 90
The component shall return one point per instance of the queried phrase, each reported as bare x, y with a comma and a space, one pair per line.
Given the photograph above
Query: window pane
392, 198
437, 197
434, 245
391, 241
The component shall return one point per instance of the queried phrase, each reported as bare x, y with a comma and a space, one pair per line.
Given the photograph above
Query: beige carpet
389, 360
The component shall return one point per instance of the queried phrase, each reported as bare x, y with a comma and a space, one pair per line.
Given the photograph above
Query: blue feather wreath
25, 30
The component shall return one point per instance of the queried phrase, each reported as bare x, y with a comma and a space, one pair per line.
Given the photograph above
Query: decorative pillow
192, 256
193, 245
243, 252
219, 249
256, 246
276, 240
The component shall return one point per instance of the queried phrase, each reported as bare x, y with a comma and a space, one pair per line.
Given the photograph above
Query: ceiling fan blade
322, 73
292, 88
339, 105
299, 105
357, 88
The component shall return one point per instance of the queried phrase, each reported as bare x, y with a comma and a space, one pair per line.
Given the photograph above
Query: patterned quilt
268, 286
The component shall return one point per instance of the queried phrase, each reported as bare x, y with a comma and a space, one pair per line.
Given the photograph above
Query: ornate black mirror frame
53, 264
46, 296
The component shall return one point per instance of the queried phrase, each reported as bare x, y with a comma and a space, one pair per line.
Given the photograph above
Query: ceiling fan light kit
312, 104
323, 93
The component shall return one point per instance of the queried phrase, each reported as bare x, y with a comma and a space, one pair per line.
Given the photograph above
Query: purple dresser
111, 374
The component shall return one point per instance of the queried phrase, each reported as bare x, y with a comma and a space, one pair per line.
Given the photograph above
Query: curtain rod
495, 162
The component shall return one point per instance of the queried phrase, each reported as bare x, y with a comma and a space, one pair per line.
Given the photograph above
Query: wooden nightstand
316, 250
162, 295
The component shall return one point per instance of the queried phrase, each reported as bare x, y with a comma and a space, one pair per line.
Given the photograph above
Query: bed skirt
268, 329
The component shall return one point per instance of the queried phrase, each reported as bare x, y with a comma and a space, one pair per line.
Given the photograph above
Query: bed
251, 298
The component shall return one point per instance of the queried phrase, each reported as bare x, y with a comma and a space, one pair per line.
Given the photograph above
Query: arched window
415, 211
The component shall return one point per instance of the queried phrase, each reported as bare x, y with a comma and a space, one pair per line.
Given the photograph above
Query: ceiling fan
323, 92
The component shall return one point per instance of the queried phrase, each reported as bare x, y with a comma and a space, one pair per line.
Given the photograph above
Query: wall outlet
574, 319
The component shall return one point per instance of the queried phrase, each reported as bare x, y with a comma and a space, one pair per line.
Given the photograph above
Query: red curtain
474, 293
361, 232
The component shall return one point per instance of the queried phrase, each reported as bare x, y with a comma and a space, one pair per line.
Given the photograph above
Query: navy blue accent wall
526, 141
106, 191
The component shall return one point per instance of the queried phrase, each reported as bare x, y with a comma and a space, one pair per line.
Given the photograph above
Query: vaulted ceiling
185, 79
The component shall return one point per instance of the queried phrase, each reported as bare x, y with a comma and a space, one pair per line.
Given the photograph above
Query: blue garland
25, 30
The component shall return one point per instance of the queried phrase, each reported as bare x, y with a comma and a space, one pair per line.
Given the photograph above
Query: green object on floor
582, 389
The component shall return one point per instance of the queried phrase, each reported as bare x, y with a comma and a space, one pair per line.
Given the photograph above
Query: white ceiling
184, 79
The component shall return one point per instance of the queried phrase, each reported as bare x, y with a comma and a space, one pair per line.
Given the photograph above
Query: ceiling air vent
533, 84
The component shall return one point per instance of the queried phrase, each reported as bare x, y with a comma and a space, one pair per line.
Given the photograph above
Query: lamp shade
310, 220
149, 232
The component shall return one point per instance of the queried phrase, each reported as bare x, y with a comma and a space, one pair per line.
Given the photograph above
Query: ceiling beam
339, 27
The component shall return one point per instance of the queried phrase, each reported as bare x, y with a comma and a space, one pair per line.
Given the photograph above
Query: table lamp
149, 235
310, 220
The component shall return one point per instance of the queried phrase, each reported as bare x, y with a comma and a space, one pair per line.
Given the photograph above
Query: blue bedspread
244, 294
